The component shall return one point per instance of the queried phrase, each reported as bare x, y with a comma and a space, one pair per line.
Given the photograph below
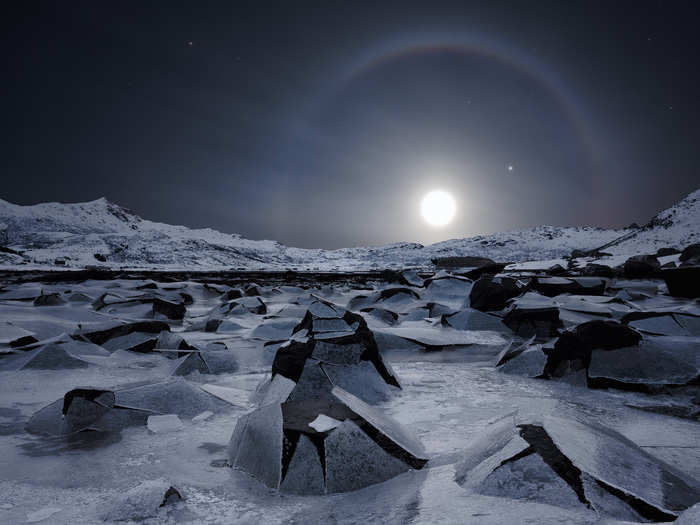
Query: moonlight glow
438, 208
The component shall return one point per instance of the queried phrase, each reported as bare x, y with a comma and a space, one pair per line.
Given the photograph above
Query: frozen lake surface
451, 393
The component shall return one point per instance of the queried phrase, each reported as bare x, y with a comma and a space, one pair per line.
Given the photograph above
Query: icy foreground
513, 397
102, 233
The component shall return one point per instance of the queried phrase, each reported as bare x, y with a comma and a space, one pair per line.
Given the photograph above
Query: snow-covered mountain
81, 234
678, 226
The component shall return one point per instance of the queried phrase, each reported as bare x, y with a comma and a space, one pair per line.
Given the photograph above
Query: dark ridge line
290, 440
540, 441
520, 455
292, 437
220, 276
390, 447
319, 441
641, 507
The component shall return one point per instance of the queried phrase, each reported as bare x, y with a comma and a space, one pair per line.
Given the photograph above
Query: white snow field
75, 233
159, 373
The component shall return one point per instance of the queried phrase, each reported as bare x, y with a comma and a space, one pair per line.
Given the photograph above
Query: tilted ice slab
575, 461
283, 446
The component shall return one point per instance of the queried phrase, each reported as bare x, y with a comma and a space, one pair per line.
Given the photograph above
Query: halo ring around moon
512, 57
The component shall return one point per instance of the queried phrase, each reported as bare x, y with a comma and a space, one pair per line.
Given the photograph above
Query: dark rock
391, 276
232, 294
488, 269
170, 310
187, 299
493, 293
553, 286
641, 266
607, 335
575, 254
662, 252
542, 323
23, 341
570, 354
5, 249
691, 252
101, 336
251, 290
171, 495
572, 351
461, 262
405, 278
212, 325
100, 257
173, 311
597, 270
683, 281
557, 269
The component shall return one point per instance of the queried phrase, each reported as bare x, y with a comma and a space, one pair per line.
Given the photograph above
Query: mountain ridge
78, 232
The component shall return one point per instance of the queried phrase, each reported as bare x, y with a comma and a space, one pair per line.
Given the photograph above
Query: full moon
438, 208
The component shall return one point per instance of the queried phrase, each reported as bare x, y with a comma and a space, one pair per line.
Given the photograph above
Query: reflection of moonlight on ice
438, 208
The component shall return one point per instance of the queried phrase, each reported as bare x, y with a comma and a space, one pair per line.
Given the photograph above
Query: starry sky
323, 124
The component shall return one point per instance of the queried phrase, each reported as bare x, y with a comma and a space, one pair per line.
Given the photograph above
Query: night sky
323, 125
